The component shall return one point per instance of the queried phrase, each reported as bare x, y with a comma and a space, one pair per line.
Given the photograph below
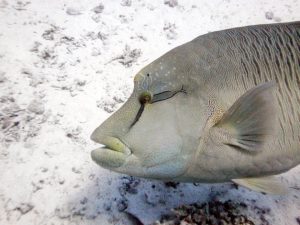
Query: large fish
222, 107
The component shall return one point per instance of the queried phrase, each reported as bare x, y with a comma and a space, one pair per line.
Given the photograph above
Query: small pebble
75, 170
122, 204
171, 3
25, 208
73, 11
37, 107
269, 15
99, 8
2, 77
126, 3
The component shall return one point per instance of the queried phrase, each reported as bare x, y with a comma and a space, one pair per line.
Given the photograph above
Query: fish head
155, 133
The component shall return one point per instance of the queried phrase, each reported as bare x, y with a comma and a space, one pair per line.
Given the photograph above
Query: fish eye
145, 97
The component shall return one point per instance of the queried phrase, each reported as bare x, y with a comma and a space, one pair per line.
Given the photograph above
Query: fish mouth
112, 144
112, 155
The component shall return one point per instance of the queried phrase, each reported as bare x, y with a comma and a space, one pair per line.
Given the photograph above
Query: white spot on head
161, 68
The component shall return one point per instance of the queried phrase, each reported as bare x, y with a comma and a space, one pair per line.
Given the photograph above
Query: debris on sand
171, 3
49, 34
3, 4
126, 3
170, 30
24, 208
2, 77
107, 105
35, 47
269, 15
73, 11
20, 124
122, 204
214, 212
36, 106
102, 36
129, 185
172, 184
298, 220
75, 135
20, 6
98, 9
128, 57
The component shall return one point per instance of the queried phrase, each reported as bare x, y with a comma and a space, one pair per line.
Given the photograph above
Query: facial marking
147, 98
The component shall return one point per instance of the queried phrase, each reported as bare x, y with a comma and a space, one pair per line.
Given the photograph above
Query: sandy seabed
65, 66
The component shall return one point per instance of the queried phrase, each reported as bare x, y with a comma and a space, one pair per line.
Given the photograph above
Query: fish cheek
190, 118
154, 139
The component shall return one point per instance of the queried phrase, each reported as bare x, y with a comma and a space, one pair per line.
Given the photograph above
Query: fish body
224, 106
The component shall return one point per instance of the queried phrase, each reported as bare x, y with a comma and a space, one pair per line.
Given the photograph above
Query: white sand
64, 67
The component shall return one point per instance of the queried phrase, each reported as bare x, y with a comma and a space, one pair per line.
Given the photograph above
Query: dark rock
171, 3
172, 184
99, 8
269, 15
122, 205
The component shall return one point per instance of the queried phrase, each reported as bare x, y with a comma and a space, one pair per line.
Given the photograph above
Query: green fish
222, 107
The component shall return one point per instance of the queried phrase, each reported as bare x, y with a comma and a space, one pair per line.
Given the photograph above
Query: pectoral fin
269, 185
249, 120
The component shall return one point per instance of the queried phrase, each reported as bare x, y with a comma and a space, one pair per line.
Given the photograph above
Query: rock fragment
122, 205
126, 3
49, 34
73, 11
98, 9
170, 30
269, 15
129, 56
2, 77
171, 3
37, 107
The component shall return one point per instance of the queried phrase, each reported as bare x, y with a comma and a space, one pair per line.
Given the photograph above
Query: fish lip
111, 143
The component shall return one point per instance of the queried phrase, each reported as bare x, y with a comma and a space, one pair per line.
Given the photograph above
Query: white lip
108, 158
112, 144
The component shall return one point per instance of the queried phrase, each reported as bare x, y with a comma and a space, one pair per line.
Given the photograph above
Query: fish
224, 107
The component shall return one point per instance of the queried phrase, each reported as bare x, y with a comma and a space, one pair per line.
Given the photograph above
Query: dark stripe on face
138, 115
